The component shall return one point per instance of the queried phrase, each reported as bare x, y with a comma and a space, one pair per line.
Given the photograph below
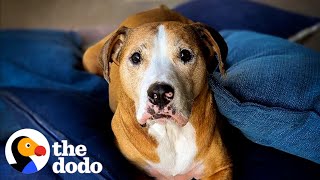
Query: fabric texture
272, 92
62, 115
43, 59
40, 49
246, 15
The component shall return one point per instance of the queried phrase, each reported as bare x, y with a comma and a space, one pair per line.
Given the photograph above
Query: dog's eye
135, 58
185, 55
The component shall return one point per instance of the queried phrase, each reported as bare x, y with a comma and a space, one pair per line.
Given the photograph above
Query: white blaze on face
161, 69
177, 145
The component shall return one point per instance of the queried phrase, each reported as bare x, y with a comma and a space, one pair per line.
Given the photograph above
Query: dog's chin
163, 119
169, 113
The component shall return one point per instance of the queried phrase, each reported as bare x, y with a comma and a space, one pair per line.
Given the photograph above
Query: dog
165, 119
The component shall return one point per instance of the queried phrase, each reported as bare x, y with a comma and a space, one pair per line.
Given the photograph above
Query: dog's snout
160, 94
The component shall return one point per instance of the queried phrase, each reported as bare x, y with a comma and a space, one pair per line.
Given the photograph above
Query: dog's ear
111, 49
215, 47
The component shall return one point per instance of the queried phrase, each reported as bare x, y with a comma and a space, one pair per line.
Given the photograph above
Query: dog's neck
125, 119
203, 119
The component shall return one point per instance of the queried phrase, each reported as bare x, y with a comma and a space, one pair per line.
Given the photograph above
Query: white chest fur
176, 148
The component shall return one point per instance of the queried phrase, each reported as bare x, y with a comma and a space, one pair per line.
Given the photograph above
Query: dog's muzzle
160, 108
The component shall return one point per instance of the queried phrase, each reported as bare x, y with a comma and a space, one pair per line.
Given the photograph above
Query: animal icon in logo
22, 148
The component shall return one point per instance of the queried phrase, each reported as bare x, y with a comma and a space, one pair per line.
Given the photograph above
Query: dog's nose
160, 94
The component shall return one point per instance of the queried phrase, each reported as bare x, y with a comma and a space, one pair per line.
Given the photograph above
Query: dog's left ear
111, 49
215, 47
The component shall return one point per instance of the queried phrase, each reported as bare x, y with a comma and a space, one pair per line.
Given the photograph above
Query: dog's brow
143, 46
177, 42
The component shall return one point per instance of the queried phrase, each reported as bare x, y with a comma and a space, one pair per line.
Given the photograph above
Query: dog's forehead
172, 30
180, 34
177, 28
144, 31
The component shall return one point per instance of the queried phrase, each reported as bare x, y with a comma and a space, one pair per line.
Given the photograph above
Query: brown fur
125, 127
133, 140
210, 146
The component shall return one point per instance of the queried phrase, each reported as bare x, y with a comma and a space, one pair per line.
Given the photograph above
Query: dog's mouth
153, 114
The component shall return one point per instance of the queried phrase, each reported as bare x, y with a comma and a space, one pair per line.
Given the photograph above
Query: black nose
160, 94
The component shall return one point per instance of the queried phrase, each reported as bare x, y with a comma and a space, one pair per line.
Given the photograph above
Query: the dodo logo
27, 151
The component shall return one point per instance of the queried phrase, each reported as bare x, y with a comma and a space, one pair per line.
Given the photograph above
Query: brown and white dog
157, 64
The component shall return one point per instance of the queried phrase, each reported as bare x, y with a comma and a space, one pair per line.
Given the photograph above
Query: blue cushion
272, 92
246, 15
45, 59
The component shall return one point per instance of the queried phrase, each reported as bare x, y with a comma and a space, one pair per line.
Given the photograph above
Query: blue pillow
272, 92
246, 15
45, 59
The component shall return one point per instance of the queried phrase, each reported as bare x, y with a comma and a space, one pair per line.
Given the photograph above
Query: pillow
271, 92
45, 59
246, 15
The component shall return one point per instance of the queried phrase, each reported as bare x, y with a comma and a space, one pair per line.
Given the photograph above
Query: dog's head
164, 66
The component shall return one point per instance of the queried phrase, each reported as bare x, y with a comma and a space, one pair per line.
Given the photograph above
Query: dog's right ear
111, 50
216, 46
